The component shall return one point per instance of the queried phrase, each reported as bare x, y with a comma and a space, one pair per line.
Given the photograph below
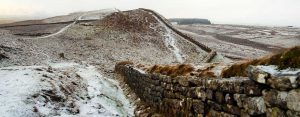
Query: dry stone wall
211, 53
213, 97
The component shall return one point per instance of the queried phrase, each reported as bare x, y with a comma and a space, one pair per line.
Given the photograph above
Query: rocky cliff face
265, 92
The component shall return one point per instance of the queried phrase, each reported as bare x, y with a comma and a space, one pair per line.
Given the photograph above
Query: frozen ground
33, 87
63, 89
244, 42
171, 43
30, 86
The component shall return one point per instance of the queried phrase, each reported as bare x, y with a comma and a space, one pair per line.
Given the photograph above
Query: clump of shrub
88, 38
3, 56
289, 58
62, 55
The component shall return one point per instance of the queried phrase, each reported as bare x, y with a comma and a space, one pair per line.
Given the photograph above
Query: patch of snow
139, 70
105, 92
62, 65
95, 95
251, 91
170, 42
292, 74
60, 31
16, 84
96, 15
272, 69
293, 80
220, 58
261, 78
208, 81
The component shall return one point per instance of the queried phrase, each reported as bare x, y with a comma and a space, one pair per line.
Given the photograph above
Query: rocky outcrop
216, 97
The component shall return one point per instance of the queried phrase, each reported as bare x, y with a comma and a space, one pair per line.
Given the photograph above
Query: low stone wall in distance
260, 94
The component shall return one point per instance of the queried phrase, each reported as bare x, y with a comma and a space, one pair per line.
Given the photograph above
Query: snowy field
64, 89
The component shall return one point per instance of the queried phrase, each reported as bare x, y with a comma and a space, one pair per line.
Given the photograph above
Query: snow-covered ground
92, 15
170, 43
88, 15
60, 31
243, 42
64, 89
99, 14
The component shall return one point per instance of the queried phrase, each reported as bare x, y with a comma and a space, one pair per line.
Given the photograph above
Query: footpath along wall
260, 94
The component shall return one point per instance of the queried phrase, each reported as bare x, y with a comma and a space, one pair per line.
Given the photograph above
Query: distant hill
4, 21
182, 21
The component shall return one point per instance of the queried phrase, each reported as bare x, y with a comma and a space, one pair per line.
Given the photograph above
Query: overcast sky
255, 12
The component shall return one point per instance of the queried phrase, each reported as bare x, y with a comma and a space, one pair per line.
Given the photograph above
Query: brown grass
124, 63
289, 58
173, 71
181, 70
206, 72
62, 55
140, 66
